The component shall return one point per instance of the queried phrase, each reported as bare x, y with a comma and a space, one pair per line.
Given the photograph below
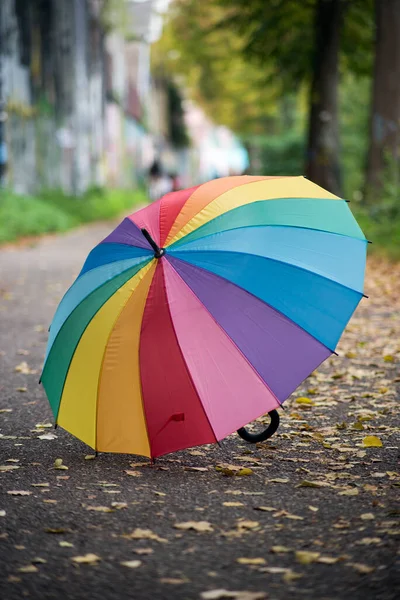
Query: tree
281, 48
322, 161
385, 110
211, 65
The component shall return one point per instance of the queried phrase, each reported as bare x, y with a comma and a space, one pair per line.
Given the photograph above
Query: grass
381, 229
54, 211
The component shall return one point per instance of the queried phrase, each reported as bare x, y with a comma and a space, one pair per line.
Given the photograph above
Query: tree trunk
383, 154
322, 164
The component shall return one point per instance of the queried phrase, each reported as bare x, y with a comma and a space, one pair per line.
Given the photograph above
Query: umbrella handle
264, 435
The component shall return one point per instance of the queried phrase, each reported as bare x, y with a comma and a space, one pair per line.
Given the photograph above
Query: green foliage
380, 220
279, 154
54, 211
211, 66
280, 33
22, 216
382, 230
354, 95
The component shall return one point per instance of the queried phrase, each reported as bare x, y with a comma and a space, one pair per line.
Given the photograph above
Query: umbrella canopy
201, 312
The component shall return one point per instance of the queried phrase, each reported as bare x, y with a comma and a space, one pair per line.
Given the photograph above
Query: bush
280, 154
54, 211
22, 216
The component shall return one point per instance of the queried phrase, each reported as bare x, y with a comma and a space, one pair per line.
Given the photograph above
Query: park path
316, 516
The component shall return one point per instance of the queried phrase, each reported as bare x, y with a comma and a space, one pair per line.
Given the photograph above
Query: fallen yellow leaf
372, 441
251, 561
28, 569
86, 559
280, 549
131, 564
304, 400
305, 558
103, 509
247, 524
361, 568
145, 534
327, 560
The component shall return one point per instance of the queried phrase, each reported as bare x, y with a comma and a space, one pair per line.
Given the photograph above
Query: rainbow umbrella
201, 312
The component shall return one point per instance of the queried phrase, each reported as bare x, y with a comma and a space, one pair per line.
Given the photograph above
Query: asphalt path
313, 514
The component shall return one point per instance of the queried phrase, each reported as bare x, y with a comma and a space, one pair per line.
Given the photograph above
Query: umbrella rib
182, 242
180, 245
77, 342
184, 360
277, 260
92, 291
196, 192
104, 354
261, 300
335, 198
229, 337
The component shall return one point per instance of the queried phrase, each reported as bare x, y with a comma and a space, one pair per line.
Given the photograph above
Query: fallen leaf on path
367, 541
2, 513
173, 580
47, 436
280, 549
86, 559
287, 515
133, 473
24, 369
305, 400
58, 464
265, 508
19, 493
233, 470
232, 504
131, 564
38, 560
28, 569
388, 358
328, 560
244, 524
305, 558
199, 469
312, 484
65, 544
6, 468
143, 551
119, 505
372, 441
251, 561
350, 492
277, 480
361, 568
200, 526
145, 534
57, 530
103, 509
290, 576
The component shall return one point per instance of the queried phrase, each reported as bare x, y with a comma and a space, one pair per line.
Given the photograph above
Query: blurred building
82, 107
